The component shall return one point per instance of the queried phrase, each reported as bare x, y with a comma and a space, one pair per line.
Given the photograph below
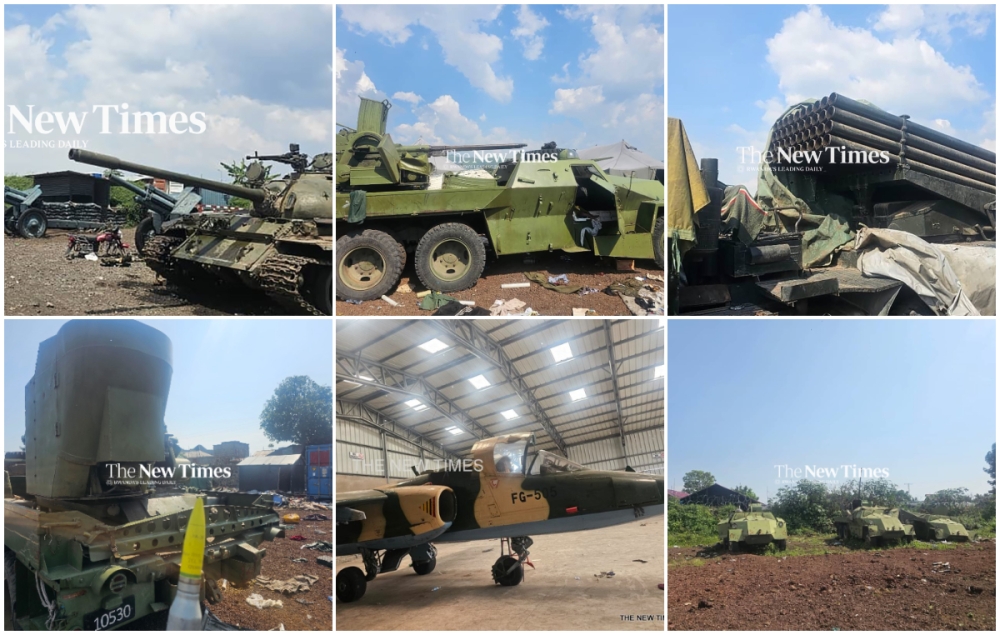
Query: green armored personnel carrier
874, 525
935, 527
283, 247
390, 204
753, 528
91, 540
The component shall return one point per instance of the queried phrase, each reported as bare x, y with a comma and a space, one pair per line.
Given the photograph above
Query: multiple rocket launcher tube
837, 121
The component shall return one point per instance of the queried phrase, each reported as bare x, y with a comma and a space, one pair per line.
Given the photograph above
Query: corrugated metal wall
644, 450
356, 439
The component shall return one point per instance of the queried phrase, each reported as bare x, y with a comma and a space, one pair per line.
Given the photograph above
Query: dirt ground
887, 589
317, 615
38, 280
582, 269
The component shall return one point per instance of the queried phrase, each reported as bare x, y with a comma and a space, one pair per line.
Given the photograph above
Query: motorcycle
106, 245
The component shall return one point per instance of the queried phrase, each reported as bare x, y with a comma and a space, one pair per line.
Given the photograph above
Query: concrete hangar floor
590, 395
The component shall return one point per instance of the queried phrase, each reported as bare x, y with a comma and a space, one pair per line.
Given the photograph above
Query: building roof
196, 454
281, 459
381, 365
718, 495
67, 173
677, 494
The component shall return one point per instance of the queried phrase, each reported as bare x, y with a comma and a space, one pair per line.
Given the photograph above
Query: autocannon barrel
114, 163
440, 150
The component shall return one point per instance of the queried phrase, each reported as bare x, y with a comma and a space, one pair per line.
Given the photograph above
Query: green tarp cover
359, 206
686, 189
824, 217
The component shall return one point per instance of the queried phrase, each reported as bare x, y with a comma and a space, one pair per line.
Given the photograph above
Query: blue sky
260, 73
917, 397
581, 76
936, 63
224, 372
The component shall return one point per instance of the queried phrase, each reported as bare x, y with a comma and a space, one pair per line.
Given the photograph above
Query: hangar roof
484, 377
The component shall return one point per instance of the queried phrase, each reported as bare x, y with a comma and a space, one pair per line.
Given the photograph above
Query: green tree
238, 171
806, 505
991, 461
18, 182
300, 411
696, 480
746, 491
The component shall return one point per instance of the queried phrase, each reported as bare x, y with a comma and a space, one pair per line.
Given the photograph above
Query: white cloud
988, 133
466, 46
482, 117
352, 82
619, 87
175, 59
936, 21
441, 122
413, 98
905, 75
578, 101
529, 24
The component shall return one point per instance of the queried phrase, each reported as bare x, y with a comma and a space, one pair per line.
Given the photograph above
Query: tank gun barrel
114, 163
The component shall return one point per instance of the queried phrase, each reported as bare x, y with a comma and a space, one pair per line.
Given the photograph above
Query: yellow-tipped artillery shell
193, 556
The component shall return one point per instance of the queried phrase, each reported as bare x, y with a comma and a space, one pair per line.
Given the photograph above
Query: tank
935, 527
873, 524
89, 544
282, 247
393, 205
754, 528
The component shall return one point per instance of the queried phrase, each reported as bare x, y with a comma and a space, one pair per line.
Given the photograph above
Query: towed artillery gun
935, 527
25, 215
89, 542
390, 204
283, 246
159, 206
754, 528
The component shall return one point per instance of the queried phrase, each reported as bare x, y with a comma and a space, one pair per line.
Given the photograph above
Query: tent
623, 159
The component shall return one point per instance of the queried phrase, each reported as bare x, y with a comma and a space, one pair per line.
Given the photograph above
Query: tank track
157, 256
279, 278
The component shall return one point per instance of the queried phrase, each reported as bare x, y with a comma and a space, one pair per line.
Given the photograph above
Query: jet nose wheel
508, 571
351, 584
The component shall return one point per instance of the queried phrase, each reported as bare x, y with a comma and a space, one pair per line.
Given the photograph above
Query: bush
19, 182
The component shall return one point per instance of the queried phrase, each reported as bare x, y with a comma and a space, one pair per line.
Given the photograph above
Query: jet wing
347, 500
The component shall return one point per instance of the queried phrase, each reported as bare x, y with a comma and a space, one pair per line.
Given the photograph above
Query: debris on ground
304, 601
390, 301
302, 582
583, 312
434, 300
257, 600
319, 545
316, 517
291, 519
297, 537
605, 574
507, 307
941, 567
299, 560
642, 561
326, 561
563, 287
515, 285
435, 588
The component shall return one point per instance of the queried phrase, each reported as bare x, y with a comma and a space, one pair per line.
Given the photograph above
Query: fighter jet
509, 490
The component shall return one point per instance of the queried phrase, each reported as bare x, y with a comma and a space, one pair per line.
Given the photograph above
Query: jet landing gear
508, 570
352, 582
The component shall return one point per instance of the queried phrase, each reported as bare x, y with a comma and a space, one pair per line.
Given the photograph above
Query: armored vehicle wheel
351, 585
781, 544
508, 571
450, 257
733, 546
369, 264
658, 242
32, 224
143, 232
425, 567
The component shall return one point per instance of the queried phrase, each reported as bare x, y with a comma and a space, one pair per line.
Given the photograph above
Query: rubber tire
144, 227
386, 246
453, 231
782, 544
425, 567
658, 242
351, 584
22, 223
320, 289
507, 579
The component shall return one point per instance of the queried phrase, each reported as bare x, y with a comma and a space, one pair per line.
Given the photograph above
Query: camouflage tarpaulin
824, 217
687, 194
